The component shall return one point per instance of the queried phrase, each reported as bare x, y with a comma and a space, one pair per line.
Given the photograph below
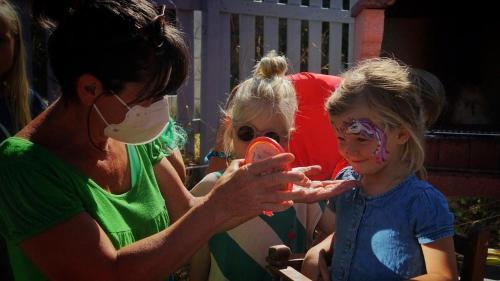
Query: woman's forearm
163, 253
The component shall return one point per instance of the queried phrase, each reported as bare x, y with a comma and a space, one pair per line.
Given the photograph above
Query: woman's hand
244, 191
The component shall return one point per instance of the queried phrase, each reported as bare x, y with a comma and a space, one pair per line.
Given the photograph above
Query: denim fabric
379, 237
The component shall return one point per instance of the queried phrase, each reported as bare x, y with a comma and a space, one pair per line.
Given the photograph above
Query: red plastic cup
262, 148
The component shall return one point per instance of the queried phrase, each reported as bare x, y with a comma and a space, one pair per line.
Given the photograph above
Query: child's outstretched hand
320, 190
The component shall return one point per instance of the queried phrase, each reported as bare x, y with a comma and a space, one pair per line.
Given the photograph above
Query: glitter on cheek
367, 129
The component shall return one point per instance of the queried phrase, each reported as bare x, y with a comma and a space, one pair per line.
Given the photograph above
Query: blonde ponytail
15, 81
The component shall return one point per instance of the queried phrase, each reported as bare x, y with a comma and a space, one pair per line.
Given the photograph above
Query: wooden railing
464, 163
215, 57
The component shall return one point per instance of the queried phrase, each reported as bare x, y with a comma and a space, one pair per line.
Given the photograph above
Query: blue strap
214, 153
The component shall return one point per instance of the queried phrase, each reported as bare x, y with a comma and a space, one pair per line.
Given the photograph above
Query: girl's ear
88, 88
403, 135
228, 126
227, 122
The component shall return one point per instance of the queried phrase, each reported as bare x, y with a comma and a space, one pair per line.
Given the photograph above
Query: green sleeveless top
39, 190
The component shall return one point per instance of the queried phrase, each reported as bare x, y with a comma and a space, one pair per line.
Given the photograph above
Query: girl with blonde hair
394, 225
17, 103
263, 105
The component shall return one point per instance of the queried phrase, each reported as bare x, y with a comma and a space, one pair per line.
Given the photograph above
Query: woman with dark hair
87, 193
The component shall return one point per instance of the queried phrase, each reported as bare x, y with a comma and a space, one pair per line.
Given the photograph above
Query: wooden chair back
472, 250
283, 265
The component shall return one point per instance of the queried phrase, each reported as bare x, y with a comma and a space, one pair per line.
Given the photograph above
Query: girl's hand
321, 190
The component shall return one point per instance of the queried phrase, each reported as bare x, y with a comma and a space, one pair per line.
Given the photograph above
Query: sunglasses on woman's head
247, 133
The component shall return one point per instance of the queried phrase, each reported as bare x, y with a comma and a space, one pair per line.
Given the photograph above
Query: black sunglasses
247, 133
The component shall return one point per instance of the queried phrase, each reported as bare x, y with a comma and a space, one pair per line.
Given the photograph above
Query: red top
314, 142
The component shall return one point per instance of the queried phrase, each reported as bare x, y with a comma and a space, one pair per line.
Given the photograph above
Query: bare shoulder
206, 184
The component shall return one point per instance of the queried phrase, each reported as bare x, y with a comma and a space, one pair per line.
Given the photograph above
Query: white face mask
141, 124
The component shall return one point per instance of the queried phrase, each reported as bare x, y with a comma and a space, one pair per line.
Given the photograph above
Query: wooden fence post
215, 70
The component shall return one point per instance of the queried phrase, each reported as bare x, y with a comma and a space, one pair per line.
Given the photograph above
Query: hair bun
270, 65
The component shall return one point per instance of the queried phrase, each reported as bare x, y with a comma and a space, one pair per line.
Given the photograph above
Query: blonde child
395, 225
18, 104
263, 105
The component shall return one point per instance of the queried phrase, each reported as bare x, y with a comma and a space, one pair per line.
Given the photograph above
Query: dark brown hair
117, 41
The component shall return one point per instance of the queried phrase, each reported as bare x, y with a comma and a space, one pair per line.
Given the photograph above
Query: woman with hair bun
86, 191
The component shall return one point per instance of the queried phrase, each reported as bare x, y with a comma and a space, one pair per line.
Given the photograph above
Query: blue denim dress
379, 237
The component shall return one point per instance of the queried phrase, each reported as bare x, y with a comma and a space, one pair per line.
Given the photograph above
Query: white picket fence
215, 49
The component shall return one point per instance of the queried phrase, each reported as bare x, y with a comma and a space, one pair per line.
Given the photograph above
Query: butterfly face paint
367, 129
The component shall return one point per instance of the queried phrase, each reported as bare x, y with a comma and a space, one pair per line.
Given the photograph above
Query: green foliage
468, 210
